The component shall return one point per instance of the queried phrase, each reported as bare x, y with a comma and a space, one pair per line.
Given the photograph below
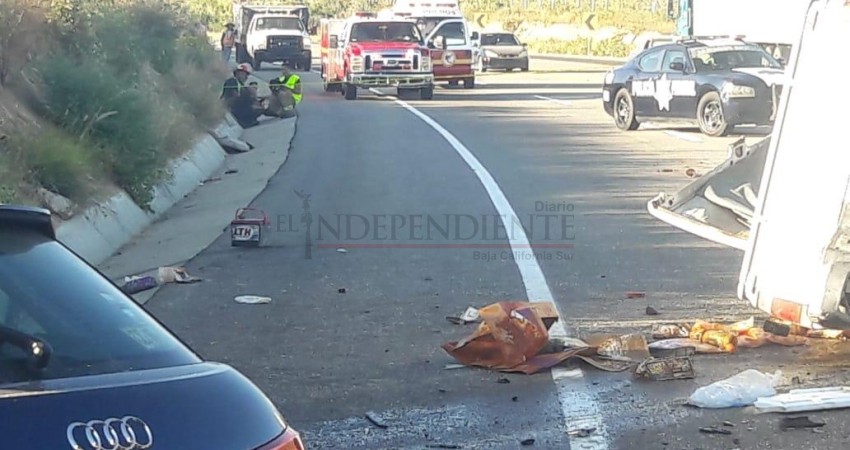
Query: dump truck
784, 201
271, 33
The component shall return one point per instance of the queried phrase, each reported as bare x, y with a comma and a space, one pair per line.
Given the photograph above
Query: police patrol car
717, 82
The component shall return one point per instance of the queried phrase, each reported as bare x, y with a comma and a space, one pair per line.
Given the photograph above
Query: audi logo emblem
126, 433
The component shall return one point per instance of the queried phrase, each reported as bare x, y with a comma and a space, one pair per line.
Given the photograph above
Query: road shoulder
198, 219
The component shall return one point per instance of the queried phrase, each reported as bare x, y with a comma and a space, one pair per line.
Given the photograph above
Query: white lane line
578, 405
554, 100
683, 136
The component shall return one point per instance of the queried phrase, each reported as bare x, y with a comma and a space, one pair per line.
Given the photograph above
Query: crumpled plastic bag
739, 390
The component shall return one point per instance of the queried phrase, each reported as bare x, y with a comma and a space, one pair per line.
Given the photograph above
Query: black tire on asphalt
426, 93
469, 83
257, 64
710, 116
349, 91
624, 111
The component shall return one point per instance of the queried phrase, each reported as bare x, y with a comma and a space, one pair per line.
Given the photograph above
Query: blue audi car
83, 367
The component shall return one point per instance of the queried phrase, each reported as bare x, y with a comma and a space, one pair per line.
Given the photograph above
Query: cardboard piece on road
511, 336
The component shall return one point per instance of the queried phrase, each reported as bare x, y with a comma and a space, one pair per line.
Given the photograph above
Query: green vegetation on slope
110, 92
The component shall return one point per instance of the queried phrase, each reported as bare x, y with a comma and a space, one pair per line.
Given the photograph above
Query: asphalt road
360, 331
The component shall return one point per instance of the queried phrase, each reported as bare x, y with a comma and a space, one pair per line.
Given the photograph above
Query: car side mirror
524, 45
333, 41
474, 36
677, 66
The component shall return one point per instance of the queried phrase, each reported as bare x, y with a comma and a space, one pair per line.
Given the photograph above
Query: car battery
248, 228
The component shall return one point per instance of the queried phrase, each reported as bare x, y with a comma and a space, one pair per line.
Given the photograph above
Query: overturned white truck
784, 201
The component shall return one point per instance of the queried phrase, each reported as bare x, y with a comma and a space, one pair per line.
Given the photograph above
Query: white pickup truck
784, 201
274, 34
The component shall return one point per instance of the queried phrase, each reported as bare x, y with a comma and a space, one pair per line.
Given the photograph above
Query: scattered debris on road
341, 290
669, 368
789, 423
443, 446
135, 284
252, 300
669, 331
714, 430
246, 229
650, 311
743, 389
231, 171
503, 381
376, 420
167, 275
210, 180
527, 442
454, 366
634, 294
582, 433
341, 250
469, 316
805, 400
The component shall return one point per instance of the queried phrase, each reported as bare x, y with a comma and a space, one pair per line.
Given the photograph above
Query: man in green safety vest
289, 81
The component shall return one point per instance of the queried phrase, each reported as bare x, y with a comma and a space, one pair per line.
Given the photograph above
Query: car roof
38, 219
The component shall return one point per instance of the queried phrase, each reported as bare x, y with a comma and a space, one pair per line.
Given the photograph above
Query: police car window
728, 58
672, 56
49, 294
453, 32
651, 62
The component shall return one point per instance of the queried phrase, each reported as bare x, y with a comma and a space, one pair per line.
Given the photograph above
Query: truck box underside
719, 205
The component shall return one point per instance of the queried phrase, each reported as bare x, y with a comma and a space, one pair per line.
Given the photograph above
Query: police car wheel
710, 116
624, 111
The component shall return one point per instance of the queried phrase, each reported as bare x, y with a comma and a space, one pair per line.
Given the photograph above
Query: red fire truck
366, 52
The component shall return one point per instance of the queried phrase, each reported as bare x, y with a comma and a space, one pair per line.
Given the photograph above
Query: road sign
590, 22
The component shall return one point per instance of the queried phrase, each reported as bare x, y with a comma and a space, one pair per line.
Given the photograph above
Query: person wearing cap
239, 99
228, 41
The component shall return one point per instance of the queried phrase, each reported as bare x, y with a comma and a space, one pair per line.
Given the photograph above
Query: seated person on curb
290, 83
280, 103
239, 99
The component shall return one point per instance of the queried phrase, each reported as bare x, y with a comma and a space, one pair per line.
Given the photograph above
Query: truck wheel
426, 93
350, 91
469, 83
453, 83
624, 111
710, 116
257, 63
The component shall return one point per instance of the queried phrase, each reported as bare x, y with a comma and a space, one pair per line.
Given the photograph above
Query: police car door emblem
663, 93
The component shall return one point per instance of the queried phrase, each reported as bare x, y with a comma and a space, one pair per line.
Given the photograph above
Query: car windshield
499, 39
707, 59
48, 293
385, 31
279, 23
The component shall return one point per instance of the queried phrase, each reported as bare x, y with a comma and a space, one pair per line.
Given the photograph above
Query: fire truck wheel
469, 83
350, 91
426, 93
